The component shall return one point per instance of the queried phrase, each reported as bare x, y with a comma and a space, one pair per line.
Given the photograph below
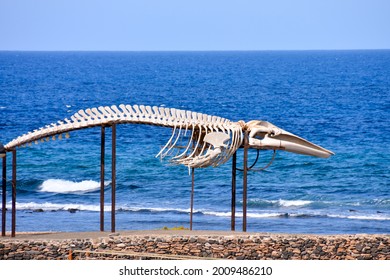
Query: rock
297, 251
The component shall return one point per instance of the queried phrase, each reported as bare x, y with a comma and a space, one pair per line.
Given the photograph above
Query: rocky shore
249, 246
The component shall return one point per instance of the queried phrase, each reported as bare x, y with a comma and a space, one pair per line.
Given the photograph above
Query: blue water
337, 99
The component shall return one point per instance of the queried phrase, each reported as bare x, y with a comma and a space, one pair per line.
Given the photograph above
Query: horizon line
232, 50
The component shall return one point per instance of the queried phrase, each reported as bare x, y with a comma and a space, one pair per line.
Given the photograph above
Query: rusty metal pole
245, 182
233, 211
4, 197
113, 180
192, 195
13, 219
102, 154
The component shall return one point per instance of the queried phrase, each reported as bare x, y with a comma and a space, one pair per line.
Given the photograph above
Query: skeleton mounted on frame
197, 140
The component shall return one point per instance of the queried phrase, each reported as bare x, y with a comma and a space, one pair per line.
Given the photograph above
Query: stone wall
254, 247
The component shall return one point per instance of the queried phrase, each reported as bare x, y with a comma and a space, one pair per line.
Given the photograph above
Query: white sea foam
153, 209
280, 203
65, 186
293, 203
362, 217
250, 214
47, 206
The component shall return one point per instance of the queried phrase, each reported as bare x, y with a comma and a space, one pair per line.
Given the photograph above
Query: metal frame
245, 170
233, 205
113, 179
4, 196
102, 154
192, 196
13, 202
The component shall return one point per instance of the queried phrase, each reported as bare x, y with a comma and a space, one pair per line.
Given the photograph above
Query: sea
337, 99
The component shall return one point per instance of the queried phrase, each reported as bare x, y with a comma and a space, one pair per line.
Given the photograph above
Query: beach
185, 244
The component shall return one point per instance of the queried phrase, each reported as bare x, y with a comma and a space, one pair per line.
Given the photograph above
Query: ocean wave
379, 217
279, 203
293, 203
65, 186
249, 215
264, 215
47, 206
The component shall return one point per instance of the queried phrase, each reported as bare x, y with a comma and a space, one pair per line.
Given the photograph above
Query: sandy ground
99, 234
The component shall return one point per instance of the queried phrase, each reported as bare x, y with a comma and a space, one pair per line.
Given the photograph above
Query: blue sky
194, 25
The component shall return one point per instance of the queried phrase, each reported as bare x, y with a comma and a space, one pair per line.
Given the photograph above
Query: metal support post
113, 180
4, 197
245, 182
13, 220
192, 195
102, 154
233, 210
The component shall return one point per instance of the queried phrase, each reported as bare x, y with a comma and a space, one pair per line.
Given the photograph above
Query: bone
164, 118
183, 115
133, 115
168, 143
183, 160
205, 118
157, 116
193, 151
173, 116
145, 114
199, 117
204, 144
172, 145
189, 116
194, 117
117, 112
93, 117
106, 114
125, 112
188, 145
111, 113
138, 112
151, 114
168, 116
205, 160
156, 111
98, 114
74, 120
86, 117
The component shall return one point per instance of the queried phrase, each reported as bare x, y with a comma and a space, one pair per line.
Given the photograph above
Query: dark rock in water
38, 210
379, 212
73, 210
352, 210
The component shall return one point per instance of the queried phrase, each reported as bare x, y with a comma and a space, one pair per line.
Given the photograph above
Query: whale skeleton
197, 140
